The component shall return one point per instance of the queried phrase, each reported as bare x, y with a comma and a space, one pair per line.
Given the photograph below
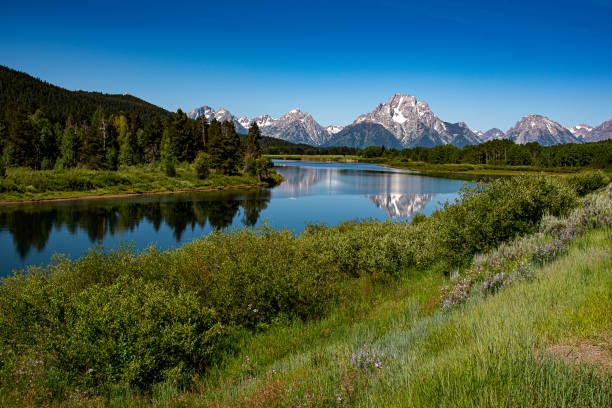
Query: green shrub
488, 215
169, 168
585, 182
2, 167
130, 332
252, 277
202, 165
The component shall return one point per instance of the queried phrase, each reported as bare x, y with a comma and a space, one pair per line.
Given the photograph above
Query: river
330, 193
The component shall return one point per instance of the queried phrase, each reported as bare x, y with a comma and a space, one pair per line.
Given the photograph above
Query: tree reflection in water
31, 225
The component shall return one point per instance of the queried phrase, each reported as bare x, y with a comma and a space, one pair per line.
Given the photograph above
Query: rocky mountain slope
413, 123
601, 132
537, 128
492, 134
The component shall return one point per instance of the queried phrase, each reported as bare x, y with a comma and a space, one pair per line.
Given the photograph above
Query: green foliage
487, 216
223, 147
585, 182
27, 184
2, 166
168, 157
202, 165
128, 332
263, 168
69, 143
373, 151
252, 151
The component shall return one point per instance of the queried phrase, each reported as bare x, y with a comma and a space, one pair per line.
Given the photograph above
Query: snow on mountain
414, 124
580, 131
294, 126
540, 129
492, 134
601, 132
221, 115
332, 130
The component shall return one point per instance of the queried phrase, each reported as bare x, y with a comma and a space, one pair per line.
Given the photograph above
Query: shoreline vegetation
437, 169
31, 186
458, 308
492, 158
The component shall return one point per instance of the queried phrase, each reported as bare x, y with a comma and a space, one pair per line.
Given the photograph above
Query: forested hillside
18, 88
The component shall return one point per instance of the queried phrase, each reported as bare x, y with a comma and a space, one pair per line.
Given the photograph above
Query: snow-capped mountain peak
414, 124
334, 129
538, 128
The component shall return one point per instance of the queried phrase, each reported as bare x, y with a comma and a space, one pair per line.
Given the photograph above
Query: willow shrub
585, 182
487, 215
253, 277
130, 332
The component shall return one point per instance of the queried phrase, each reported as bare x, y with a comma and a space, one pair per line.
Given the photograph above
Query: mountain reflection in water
401, 205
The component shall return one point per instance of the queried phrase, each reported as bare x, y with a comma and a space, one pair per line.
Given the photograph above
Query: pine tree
223, 147
251, 149
151, 140
92, 150
45, 148
21, 137
68, 147
168, 157
215, 144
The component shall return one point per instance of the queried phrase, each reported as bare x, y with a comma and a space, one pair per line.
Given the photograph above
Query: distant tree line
109, 140
273, 145
505, 152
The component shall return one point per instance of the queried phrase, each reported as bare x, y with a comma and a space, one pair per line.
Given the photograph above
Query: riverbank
363, 313
439, 169
24, 185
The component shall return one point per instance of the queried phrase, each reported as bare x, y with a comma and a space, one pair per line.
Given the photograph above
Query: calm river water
312, 192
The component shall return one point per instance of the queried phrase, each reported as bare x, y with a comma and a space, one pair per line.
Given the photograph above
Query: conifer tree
223, 147
68, 148
251, 149
92, 150
20, 137
168, 157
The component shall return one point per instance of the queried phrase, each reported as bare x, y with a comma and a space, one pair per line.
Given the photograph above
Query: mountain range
402, 122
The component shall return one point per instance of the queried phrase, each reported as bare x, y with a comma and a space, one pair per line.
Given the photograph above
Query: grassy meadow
502, 298
23, 184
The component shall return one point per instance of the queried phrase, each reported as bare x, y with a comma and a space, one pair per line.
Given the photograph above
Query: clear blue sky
484, 62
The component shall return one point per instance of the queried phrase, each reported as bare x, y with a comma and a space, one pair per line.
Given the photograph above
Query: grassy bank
21, 184
349, 315
480, 169
316, 158
439, 169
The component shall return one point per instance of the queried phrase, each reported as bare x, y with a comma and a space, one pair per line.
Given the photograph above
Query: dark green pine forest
43, 126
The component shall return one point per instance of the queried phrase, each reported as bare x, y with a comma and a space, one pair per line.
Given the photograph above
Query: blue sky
483, 62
